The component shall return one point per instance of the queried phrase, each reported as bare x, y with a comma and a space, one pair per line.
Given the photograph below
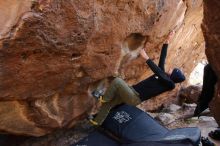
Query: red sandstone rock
211, 27
52, 52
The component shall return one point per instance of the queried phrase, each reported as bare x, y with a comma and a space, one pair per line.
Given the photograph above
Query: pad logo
122, 117
175, 137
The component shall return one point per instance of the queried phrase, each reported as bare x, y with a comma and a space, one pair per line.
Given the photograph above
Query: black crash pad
136, 128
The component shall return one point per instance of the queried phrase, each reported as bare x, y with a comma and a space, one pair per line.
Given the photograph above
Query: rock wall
52, 52
211, 27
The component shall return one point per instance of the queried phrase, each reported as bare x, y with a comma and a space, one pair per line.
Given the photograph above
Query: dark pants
209, 81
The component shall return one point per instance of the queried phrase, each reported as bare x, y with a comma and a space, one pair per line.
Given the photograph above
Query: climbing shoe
94, 123
215, 134
97, 94
206, 142
91, 120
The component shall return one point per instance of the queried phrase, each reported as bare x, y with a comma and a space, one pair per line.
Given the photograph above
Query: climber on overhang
120, 92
